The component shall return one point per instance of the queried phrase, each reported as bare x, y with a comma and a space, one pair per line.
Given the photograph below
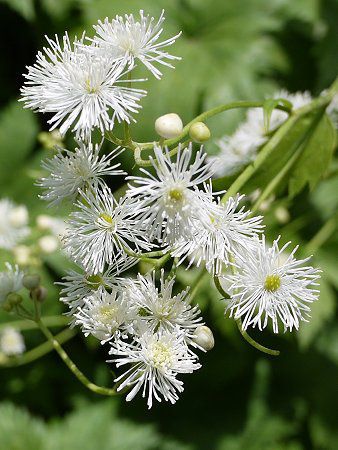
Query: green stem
252, 342
206, 115
195, 285
71, 365
245, 335
270, 188
50, 321
268, 148
37, 352
325, 232
149, 162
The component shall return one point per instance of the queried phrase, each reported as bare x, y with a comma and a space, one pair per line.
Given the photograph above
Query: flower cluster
169, 211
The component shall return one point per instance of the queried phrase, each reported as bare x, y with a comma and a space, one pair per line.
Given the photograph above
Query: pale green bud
199, 132
31, 281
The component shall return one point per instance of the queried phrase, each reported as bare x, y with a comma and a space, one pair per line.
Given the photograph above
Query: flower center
176, 194
107, 314
106, 221
161, 356
89, 88
272, 283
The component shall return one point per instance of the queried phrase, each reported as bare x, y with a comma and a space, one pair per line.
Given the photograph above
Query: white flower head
128, 39
78, 285
170, 196
11, 342
10, 281
81, 89
102, 229
268, 285
160, 309
70, 171
220, 232
13, 224
156, 359
105, 314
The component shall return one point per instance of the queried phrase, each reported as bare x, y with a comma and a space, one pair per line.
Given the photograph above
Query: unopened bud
14, 299
199, 132
7, 306
39, 294
18, 217
204, 338
169, 126
31, 281
48, 244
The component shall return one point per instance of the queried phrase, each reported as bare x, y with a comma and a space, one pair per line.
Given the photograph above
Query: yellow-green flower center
161, 355
176, 195
272, 283
89, 88
107, 314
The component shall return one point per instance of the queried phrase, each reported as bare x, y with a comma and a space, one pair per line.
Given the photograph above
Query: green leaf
321, 311
24, 7
315, 158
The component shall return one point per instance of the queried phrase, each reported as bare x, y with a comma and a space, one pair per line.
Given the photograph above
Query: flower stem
72, 366
245, 335
252, 342
323, 234
37, 352
50, 321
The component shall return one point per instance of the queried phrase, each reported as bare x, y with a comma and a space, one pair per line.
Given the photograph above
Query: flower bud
48, 244
31, 281
14, 299
39, 294
169, 126
199, 132
7, 306
18, 217
204, 338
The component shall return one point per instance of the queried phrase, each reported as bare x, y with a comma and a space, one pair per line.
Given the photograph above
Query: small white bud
22, 255
11, 342
204, 338
44, 222
199, 132
18, 217
169, 126
282, 214
48, 244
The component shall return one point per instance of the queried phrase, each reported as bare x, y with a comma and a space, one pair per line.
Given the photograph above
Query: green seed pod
31, 281
14, 299
199, 132
7, 306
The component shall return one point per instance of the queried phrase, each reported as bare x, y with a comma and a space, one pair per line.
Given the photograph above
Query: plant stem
252, 342
50, 321
37, 352
72, 366
206, 115
322, 235
248, 338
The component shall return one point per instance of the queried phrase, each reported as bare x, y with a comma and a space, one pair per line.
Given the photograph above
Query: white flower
102, 229
160, 309
129, 40
13, 224
241, 148
171, 195
76, 286
156, 360
80, 88
105, 315
218, 234
70, 171
267, 284
11, 342
235, 152
48, 244
10, 281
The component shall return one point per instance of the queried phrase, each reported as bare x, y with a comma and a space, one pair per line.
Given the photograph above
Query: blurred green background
240, 399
